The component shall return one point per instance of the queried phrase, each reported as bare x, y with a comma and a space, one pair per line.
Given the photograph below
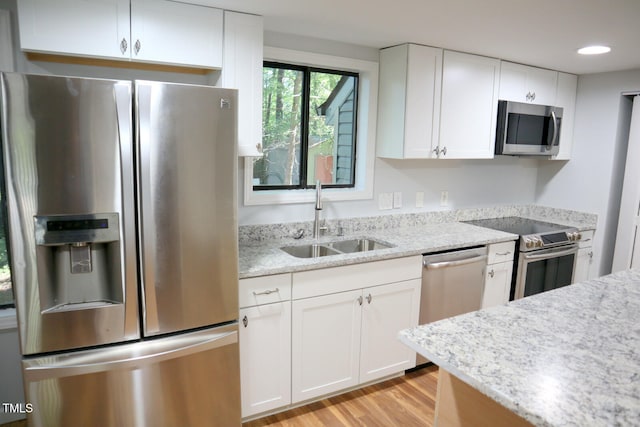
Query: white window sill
8, 319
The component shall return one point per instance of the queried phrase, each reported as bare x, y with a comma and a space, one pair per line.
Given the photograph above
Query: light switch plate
444, 198
419, 199
385, 201
397, 200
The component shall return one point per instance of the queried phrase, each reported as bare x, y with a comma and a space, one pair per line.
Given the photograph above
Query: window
287, 172
309, 128
6, 293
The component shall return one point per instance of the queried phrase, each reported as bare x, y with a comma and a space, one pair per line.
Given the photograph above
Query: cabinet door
566, 98
265, 357
176, 33
386, 310
497, 284
469, 106
409, 101
522, 83
94, 28
583, 265
325, 344
242, 70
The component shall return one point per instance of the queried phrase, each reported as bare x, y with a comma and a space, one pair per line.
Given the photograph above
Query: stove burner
534, 234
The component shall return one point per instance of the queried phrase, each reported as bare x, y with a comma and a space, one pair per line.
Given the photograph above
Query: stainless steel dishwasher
452, 284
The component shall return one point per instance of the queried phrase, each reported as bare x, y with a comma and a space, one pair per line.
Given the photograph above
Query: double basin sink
315, 250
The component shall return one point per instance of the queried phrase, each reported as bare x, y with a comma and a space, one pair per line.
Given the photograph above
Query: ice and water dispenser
79, 261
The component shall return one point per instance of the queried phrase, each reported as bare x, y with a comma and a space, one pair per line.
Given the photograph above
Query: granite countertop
567, 357
409, 234
259, 258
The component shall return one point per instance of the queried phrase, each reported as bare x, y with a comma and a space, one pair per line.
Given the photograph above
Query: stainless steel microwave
528, 129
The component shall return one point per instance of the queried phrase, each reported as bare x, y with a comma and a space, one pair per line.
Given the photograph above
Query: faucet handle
299, 234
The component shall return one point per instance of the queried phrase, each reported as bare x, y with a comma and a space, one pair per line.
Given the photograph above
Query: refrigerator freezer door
68, 152
185, 380
186, 142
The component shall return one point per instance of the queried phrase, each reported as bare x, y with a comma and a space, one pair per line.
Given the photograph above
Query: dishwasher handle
444, 264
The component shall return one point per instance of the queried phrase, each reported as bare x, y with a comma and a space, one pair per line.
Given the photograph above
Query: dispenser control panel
51, 230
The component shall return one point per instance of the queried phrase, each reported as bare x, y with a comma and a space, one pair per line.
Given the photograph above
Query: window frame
365, 136
304, 126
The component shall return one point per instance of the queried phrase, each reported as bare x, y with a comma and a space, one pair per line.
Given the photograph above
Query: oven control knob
578, 236
539, 243
571, 236
528, 243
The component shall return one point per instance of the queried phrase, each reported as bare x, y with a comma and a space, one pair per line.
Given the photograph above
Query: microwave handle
555, 130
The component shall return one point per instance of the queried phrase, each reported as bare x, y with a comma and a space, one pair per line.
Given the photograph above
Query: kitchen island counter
567, 357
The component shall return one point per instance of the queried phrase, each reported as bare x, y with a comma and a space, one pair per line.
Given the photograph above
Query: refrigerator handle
135, 357
146, 196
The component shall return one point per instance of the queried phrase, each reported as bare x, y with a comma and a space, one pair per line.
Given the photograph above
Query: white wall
470, 183
592, 180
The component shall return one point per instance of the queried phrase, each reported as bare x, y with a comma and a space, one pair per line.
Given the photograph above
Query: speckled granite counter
410, 234
568, 357
259, 258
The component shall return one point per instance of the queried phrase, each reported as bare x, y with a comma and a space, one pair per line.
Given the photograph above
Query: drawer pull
267, 292
245, 321
503, 253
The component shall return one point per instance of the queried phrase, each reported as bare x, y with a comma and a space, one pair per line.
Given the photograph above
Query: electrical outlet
397, 200
444, 198
419, 199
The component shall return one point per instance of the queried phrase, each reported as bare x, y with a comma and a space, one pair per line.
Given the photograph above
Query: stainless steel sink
309, 251
315, 250
359, 245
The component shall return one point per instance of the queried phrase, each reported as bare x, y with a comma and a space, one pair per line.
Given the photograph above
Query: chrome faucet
318, 208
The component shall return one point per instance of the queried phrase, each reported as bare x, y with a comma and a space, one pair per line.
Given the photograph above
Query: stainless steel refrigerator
121, 202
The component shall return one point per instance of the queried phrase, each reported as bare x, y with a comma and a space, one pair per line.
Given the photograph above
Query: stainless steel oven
545, 269
545, 256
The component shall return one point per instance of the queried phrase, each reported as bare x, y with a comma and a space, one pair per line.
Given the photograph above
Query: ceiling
544, 33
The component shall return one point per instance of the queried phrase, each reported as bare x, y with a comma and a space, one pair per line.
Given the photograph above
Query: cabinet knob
444, 151
437, 151
259, 147
369, 298
492, 273
137, 47
359, 300
123, 46
245, 321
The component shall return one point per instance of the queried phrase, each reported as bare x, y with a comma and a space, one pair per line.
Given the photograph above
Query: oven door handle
550, 253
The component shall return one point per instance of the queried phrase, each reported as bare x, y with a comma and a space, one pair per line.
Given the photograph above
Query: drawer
264, 290
326, 281
501, 252
587, 239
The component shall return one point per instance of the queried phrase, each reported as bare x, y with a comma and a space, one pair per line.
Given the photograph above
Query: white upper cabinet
522, 83
566, 98
409, 101
242, 70
73, 27
176, 33
155, 31
469, 106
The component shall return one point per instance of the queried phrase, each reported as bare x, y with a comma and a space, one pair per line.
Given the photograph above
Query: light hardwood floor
407, 402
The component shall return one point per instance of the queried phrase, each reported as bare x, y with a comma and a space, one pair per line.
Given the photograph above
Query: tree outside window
309, 128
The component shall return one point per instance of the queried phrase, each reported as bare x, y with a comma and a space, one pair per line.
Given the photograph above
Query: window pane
281, 120
331, 152
6, 294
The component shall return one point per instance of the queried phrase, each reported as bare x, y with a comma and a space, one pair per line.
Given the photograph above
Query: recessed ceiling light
594, 50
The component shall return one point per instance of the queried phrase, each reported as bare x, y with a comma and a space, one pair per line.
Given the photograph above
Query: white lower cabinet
265, 344
344, 339
385, 311
584, 259
325, 348
312, 333
497, 279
